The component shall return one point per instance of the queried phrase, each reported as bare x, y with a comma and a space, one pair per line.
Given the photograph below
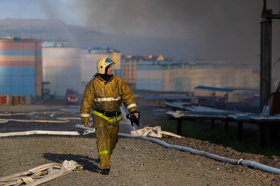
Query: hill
49, 30
89, 37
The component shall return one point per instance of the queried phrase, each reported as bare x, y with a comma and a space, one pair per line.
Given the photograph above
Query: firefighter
104, 95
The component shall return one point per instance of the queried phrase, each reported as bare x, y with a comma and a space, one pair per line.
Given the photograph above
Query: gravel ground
134, 161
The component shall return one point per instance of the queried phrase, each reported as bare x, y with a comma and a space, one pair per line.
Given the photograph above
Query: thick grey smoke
54, 14
183, 29
227, 30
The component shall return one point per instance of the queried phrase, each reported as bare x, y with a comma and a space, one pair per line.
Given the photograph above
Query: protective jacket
106, 97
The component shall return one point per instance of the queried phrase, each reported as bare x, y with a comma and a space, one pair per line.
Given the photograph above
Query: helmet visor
109, 61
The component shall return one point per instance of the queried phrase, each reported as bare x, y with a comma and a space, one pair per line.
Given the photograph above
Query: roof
169, 97
100, 50
215, 88
144, 57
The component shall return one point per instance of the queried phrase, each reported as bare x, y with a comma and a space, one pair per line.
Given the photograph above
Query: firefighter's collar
110, 78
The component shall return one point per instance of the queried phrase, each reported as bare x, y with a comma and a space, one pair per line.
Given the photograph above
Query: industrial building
20, 70
61, 70
160, 75
222, 74
128, 67
185, 76
47, 72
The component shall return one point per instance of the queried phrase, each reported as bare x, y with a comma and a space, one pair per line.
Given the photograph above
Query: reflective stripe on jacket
107, 97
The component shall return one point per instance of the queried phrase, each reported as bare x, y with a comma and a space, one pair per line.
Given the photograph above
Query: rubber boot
105, 171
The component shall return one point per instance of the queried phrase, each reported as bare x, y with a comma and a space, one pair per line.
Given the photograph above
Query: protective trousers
107, 138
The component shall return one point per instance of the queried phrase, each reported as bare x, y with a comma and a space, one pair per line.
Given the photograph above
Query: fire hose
187, 149
209, 155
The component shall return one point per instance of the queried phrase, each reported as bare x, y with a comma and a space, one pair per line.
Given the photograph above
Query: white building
61, 70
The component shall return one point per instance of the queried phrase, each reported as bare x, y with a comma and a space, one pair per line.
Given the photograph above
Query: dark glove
133, 118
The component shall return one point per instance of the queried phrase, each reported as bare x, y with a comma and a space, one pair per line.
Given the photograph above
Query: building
128, 67
21, 67
183, 76
222, 74
128, 72
153, 57
160, 75
61, 70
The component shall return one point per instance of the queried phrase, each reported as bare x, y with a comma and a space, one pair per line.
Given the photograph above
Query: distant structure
61, 69
222, 74
128, 67
46, 71
20, 68
89, 58
161, 75
183, 76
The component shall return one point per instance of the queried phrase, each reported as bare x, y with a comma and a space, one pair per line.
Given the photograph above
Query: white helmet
102, 63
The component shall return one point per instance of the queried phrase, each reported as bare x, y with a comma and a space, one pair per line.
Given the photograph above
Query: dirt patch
134, 161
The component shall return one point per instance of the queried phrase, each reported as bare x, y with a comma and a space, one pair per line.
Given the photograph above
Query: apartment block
20, 67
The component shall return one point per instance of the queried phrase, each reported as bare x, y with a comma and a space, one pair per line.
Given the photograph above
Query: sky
184, 29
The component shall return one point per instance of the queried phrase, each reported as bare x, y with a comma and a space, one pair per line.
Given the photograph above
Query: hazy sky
209, 29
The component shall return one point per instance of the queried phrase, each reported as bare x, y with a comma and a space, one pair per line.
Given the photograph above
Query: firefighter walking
104, 96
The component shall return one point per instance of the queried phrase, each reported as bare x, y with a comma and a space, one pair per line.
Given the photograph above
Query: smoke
183, 29
56, 13
158, 18
227, 30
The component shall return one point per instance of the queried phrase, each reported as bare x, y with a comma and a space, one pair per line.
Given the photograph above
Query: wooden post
267, 134
212, 123
240, 130
265, 66
274, 133
226, 125
179, 126
262, 135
